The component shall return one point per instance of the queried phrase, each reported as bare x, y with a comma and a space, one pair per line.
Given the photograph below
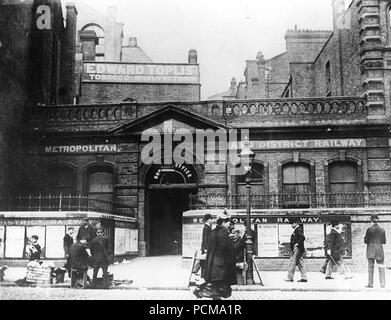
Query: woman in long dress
220, 271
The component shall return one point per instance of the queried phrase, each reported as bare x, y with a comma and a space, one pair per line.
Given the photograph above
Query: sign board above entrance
89, 148
307, 144
140, 73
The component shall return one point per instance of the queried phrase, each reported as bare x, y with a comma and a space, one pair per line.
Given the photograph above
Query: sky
225, 33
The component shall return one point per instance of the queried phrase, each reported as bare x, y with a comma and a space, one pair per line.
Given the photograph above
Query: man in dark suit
336, 248
67, 243
101, 253
375, 237
199, 264
86, 230
78, 257
297, 247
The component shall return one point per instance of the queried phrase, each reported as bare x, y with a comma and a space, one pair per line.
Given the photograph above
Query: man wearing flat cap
374, 239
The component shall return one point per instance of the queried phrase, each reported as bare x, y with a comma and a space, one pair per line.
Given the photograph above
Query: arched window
61, 180
343, 183
296, 185
100, 183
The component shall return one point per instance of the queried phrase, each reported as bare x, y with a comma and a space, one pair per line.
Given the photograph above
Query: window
328, 79
343, 183
296, 185
100, 184
61, 180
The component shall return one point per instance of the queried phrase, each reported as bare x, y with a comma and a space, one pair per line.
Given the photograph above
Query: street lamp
247, 158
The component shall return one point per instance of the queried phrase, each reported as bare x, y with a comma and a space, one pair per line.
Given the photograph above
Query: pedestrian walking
297, 247
33, 249
79, 257
200, 264
324, 266
336, 249
101, 254
220, 271
86, 230
374, 238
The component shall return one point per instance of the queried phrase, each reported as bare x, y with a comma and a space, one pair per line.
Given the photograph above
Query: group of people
335, 250
222, 259
91, 248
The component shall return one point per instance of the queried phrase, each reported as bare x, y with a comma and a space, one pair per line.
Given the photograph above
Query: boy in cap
374, 238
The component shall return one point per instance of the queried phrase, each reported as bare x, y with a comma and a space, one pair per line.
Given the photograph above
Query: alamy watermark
186, 146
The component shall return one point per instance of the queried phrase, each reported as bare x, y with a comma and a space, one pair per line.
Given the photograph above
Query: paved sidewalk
169, 273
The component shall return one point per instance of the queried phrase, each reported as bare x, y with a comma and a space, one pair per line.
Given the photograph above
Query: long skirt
214, 289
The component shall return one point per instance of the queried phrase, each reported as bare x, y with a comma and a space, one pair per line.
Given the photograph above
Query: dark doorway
165, 220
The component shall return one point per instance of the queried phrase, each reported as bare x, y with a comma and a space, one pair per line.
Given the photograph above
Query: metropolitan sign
140, 73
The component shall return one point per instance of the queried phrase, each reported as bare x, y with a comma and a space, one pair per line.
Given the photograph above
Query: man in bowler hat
375, 237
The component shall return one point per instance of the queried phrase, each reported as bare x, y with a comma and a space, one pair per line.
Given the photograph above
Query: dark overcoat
239, 246
86, 230
67, 242
78, 256
205, 237
220, 259
374, 239
100, 250
336, 244
298, 238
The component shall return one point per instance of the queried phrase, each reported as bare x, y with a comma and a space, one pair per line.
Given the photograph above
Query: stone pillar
193, 56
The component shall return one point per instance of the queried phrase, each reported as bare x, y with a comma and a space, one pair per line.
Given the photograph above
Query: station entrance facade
168, 191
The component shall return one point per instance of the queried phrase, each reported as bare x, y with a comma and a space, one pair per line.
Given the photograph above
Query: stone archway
167, 191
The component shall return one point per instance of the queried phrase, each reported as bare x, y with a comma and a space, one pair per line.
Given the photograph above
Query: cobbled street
18, 293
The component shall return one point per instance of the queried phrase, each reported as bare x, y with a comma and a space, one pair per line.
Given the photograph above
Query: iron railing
290, 200
64, 203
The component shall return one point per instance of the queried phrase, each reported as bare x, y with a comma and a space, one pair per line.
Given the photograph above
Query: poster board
314, 240
55, 241
284, 240
120, 241
192, 239
2, 234
133, 240
268, 240
15, 241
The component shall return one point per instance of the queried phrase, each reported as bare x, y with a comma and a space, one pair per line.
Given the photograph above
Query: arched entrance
167, 196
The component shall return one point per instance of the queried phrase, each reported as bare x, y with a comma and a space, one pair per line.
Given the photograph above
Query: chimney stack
193, 56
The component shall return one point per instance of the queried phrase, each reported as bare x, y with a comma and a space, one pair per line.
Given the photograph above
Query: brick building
318, 121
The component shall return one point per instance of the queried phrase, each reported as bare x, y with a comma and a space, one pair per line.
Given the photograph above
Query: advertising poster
192, 238
284, 240
120, 241
268, 240
314, 240
133, 240
54, 241
15, 242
